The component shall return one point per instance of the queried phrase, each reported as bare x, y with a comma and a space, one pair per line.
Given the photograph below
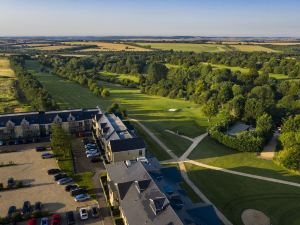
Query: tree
105, 93
236, 106
264, 125
60, 140
156, 72
210, 109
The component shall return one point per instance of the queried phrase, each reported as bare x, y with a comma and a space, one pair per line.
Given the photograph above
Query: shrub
119, 221
19, 184
4, 220
16, 217
1, 186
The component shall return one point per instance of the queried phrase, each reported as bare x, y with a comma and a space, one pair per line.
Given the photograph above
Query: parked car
11, 210
95, 211
93, 155
59, 176
47, 155
40, 148
77, 191
93, 151
38, 206
55, 219
11, 182
31, 221
44, 221
82, 197
26, 207
71, 187
53, 171
70, 218
83, 213
64, 180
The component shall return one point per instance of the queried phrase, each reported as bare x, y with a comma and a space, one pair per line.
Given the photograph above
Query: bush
19, 184
1, 186
119, 221
4, 220
16, 217
39, 214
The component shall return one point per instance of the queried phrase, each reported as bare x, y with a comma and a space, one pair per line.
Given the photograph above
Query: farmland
9, 103
106, 46
198, 48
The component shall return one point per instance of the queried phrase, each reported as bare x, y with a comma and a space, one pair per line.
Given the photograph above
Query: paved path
270, 149
243, 174
156, 139
196, 141
200, 194
179, 135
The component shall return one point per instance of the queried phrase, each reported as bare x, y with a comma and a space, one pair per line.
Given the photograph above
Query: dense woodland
252, 97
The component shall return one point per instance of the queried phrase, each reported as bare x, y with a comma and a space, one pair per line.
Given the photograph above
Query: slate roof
47, 117
237, 128
120, 145
137, 206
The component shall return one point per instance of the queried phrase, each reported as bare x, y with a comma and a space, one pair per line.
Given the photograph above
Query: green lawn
246, 70
213, 153
232, 194
177, 144
134, 78
188, 47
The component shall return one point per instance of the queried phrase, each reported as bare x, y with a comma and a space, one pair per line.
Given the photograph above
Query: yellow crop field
8, 101
107, 46
252, 48
5, 69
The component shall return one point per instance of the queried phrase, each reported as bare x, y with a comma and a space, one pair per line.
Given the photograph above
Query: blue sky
151, 17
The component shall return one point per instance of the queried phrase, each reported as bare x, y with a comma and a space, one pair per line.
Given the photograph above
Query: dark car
95, 211
70, 218
47, 155
10, 182
59, 176
38, 206
53, 171
96, 159
55, 219
77, 191
70, 187
11, 210
40, 148
26, 207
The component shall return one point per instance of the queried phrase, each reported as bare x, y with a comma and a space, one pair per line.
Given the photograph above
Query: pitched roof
127, 144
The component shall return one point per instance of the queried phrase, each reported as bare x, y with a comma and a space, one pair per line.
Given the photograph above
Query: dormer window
57, 119
10, 124
71, 118
158, 204
142, 185
24, 122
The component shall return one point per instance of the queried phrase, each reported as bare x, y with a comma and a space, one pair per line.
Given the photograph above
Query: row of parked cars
91, 149
79, 194
26, 209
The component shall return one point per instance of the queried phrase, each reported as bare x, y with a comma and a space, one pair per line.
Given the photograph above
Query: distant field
198, 48
52, 47
8, 102
107, 46
133, 78
252, 48
256, 43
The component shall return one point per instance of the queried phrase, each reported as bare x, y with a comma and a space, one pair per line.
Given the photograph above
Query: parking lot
32, 170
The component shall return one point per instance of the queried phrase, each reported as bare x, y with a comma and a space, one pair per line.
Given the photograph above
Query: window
140, 152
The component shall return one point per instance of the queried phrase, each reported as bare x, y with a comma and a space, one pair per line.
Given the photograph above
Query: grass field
246, 70
134, 78
107, 46
233, 194
213, 153
187, 47
52, 47
8, 101
150, 110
